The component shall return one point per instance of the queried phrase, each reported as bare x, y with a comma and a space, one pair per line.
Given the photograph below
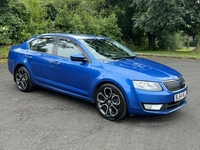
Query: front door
71, 76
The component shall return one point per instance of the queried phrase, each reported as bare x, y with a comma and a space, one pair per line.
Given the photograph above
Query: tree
4, 8
13, 16
37, 22
79, 16
21, 17
192, 19
124, 12
155, 17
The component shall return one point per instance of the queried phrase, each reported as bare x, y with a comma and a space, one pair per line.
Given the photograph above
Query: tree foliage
76, 16
152, 23
157, 17
37, 22
192, 19
12, 19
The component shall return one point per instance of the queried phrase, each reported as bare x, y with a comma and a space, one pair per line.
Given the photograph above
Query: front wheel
23, 80
110, 102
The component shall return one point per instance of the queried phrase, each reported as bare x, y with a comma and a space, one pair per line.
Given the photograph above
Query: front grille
172, 105
174, 85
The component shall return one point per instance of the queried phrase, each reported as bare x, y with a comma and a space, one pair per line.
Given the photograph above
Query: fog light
152, 106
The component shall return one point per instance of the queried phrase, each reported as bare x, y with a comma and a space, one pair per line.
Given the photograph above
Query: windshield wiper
125, 57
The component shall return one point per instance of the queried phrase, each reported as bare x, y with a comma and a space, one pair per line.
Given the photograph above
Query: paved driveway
47, 120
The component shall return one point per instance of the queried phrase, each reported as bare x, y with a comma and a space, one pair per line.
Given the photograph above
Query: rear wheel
110, 102
23, 80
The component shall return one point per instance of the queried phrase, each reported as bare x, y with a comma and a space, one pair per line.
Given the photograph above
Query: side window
33, 44
67, 48
43, 45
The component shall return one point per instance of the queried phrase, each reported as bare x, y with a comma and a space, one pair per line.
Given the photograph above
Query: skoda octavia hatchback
99, 70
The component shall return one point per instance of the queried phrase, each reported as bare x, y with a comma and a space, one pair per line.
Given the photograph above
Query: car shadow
137, 120
147, 121
63, 98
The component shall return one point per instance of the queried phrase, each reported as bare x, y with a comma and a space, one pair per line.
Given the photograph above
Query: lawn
182, 53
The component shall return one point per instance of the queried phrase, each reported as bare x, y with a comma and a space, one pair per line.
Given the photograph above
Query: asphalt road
46, 120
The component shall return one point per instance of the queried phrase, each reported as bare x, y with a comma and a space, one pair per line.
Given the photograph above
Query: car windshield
104, 49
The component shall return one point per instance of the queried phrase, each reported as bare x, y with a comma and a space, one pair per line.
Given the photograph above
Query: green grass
182, 53
4, 51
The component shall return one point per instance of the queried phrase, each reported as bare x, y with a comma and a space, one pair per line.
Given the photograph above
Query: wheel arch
110, 82
122, 110
21, 65
24, 83
15, 69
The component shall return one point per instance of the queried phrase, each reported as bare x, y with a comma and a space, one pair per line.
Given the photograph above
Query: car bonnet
141, 69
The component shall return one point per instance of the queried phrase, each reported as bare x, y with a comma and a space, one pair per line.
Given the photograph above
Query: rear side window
33, 44
44, 45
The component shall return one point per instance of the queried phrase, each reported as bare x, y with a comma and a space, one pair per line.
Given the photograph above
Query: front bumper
137, 99
166, 108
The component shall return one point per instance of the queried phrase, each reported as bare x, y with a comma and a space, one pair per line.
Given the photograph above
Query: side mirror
78, 57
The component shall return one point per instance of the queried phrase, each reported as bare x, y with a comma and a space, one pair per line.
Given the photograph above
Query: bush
4, 51
168, 41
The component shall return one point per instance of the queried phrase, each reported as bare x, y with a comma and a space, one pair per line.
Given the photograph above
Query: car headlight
145, 85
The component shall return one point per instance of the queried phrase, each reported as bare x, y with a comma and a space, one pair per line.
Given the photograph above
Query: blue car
99, 70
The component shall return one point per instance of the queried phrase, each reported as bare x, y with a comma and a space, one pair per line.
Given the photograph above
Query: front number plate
180, 96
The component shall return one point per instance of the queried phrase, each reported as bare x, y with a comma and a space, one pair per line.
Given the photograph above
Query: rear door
40, 59
71, 76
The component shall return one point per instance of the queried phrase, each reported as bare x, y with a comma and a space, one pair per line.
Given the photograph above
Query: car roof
76, 36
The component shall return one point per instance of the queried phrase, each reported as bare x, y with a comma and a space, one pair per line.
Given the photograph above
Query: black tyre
110, 102
22, 79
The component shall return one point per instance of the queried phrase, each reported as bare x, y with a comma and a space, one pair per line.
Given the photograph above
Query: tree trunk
152, 41
188, 41
197, 49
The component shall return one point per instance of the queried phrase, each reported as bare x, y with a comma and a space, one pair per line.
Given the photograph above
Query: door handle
56, 62
29, 56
